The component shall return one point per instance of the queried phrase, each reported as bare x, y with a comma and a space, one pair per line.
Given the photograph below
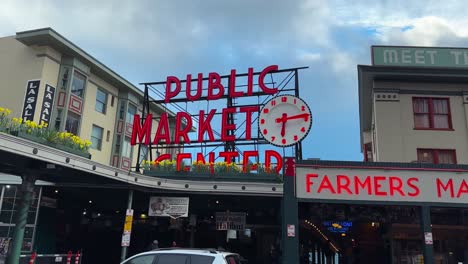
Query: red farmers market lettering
377, 185
453, 189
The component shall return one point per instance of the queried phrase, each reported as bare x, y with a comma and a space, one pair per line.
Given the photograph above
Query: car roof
197, 251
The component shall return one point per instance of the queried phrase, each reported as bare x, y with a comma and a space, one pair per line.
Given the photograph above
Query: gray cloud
147, 40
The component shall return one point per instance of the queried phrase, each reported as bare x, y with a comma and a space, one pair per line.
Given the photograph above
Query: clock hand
305, 116
283, 125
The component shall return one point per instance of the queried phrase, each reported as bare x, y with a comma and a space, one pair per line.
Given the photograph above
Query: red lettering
395, 185
163, 130
205, 125
309, 182
232, 86
141, 132
179, 158
228, 128
261, 80
326, 184
246, 155
378, 185
248, 110
163, 157
279, 160
229, 156
413, 186
169, 93
214, 82
463, 189
250, 73
182, 132
343, 182
441, 186
188, 85
359, 184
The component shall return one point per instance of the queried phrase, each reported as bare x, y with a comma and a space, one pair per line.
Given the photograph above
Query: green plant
16, 126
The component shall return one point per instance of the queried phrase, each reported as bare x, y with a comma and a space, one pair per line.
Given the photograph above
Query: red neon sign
216, 90
142, 131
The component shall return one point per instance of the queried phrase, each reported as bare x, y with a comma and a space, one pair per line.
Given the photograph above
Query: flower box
53, 145
206, 176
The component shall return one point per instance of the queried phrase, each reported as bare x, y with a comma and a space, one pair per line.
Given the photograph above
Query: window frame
431, 113
104, 108
100, 140
128, 116
435, 154
85, 81
78, 125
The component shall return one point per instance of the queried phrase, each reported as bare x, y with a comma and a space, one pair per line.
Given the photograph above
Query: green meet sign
419, 56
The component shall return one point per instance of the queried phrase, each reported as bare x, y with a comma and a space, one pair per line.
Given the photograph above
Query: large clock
285, 120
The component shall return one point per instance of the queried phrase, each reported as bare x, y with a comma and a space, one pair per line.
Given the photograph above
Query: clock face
285, 120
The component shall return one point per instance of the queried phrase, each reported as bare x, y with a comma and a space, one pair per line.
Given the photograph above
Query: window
148, 259
78, 84
432, 113
117, 144
437, 156
131, 111
122, 110
199, 259
368, 152
101, 101
172, 259
143, 153
126, 148
96, 137
73, 122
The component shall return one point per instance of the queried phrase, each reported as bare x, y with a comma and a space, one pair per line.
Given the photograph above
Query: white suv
184, 256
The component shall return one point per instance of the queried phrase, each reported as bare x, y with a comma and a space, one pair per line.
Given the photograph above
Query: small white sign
173, 207
428, 238
291, 230
58, 259
126, 239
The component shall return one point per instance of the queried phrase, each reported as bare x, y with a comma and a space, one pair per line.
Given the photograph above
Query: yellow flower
7, 111
2, 109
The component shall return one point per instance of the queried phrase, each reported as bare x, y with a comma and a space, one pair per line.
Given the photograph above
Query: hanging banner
230, 220
30, 100
173, 207
47, 104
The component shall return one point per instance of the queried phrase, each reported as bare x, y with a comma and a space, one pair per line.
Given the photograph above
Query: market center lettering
142, 129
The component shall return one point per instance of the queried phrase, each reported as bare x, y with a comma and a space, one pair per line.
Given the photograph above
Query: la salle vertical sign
47, 104
30, 100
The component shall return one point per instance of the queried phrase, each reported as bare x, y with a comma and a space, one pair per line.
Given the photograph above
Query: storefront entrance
353, 212
91, 220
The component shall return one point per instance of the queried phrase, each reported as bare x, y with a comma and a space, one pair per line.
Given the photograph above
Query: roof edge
79, 52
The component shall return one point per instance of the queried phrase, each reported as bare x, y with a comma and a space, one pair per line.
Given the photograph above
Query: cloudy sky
147, 40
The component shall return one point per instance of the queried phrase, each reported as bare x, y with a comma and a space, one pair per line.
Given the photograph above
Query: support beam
123, 252
290, 215
428, 249
26, 195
